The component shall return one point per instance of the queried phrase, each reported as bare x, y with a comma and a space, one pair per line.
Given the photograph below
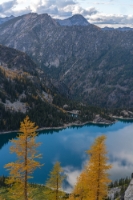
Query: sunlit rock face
129, 191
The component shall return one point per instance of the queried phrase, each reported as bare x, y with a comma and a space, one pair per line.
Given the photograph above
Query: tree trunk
25, 178
98, 184
57, 190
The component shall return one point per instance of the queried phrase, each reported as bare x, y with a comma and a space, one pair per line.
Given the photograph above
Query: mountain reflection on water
69, 145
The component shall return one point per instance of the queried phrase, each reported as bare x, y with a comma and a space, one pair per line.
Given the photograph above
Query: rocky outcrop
112, 192
100, 120
129, 191
127, 114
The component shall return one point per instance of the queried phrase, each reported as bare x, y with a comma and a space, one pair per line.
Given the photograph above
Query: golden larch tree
54, 183
97, 170
93, 182
80, 191
21, 170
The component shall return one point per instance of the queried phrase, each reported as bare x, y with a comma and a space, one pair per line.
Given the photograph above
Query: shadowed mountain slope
95, 65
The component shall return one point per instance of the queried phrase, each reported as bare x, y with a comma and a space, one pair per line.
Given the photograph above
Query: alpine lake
69, 146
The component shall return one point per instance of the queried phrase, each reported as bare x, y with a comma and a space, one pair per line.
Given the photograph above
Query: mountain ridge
75, 20
95, 65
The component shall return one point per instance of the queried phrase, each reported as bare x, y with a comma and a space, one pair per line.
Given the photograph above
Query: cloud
19, 12
64, 3
64, 9
120, 152
71, 177
56, 8
111, 19
13, 8
103, 3
4, 7
76, 9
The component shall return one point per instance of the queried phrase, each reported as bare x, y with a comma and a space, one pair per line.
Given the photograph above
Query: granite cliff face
92, 65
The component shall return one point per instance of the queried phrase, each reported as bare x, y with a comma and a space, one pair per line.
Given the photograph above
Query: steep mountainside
25, 90
95, 65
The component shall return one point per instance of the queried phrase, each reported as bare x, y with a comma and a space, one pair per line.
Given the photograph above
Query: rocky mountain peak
75, 20
37, 19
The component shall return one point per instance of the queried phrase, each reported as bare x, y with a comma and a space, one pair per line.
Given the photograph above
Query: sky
112, 13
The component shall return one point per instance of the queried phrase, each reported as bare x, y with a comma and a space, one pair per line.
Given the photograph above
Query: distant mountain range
5, 19
118, 29
75, 20
93, 65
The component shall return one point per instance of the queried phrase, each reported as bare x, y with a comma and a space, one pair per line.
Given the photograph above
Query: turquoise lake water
69, 146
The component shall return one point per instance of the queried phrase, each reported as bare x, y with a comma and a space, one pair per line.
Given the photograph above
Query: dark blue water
69, 146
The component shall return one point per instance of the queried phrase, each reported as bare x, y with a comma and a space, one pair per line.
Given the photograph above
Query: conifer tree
0, 198
98, 178
93, 182
21, 170
80, 191
54, 183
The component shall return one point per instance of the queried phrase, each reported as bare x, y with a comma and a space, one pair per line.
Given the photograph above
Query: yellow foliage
9, 73
81, 190
61, 109
21, 170
55, 183
12, 74
93, 182
97, 170
1, 198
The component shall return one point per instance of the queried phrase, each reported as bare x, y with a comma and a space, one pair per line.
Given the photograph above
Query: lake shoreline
62, 127
73, 124
121, 118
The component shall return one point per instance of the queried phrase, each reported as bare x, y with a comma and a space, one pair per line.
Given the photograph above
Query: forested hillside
26, 90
